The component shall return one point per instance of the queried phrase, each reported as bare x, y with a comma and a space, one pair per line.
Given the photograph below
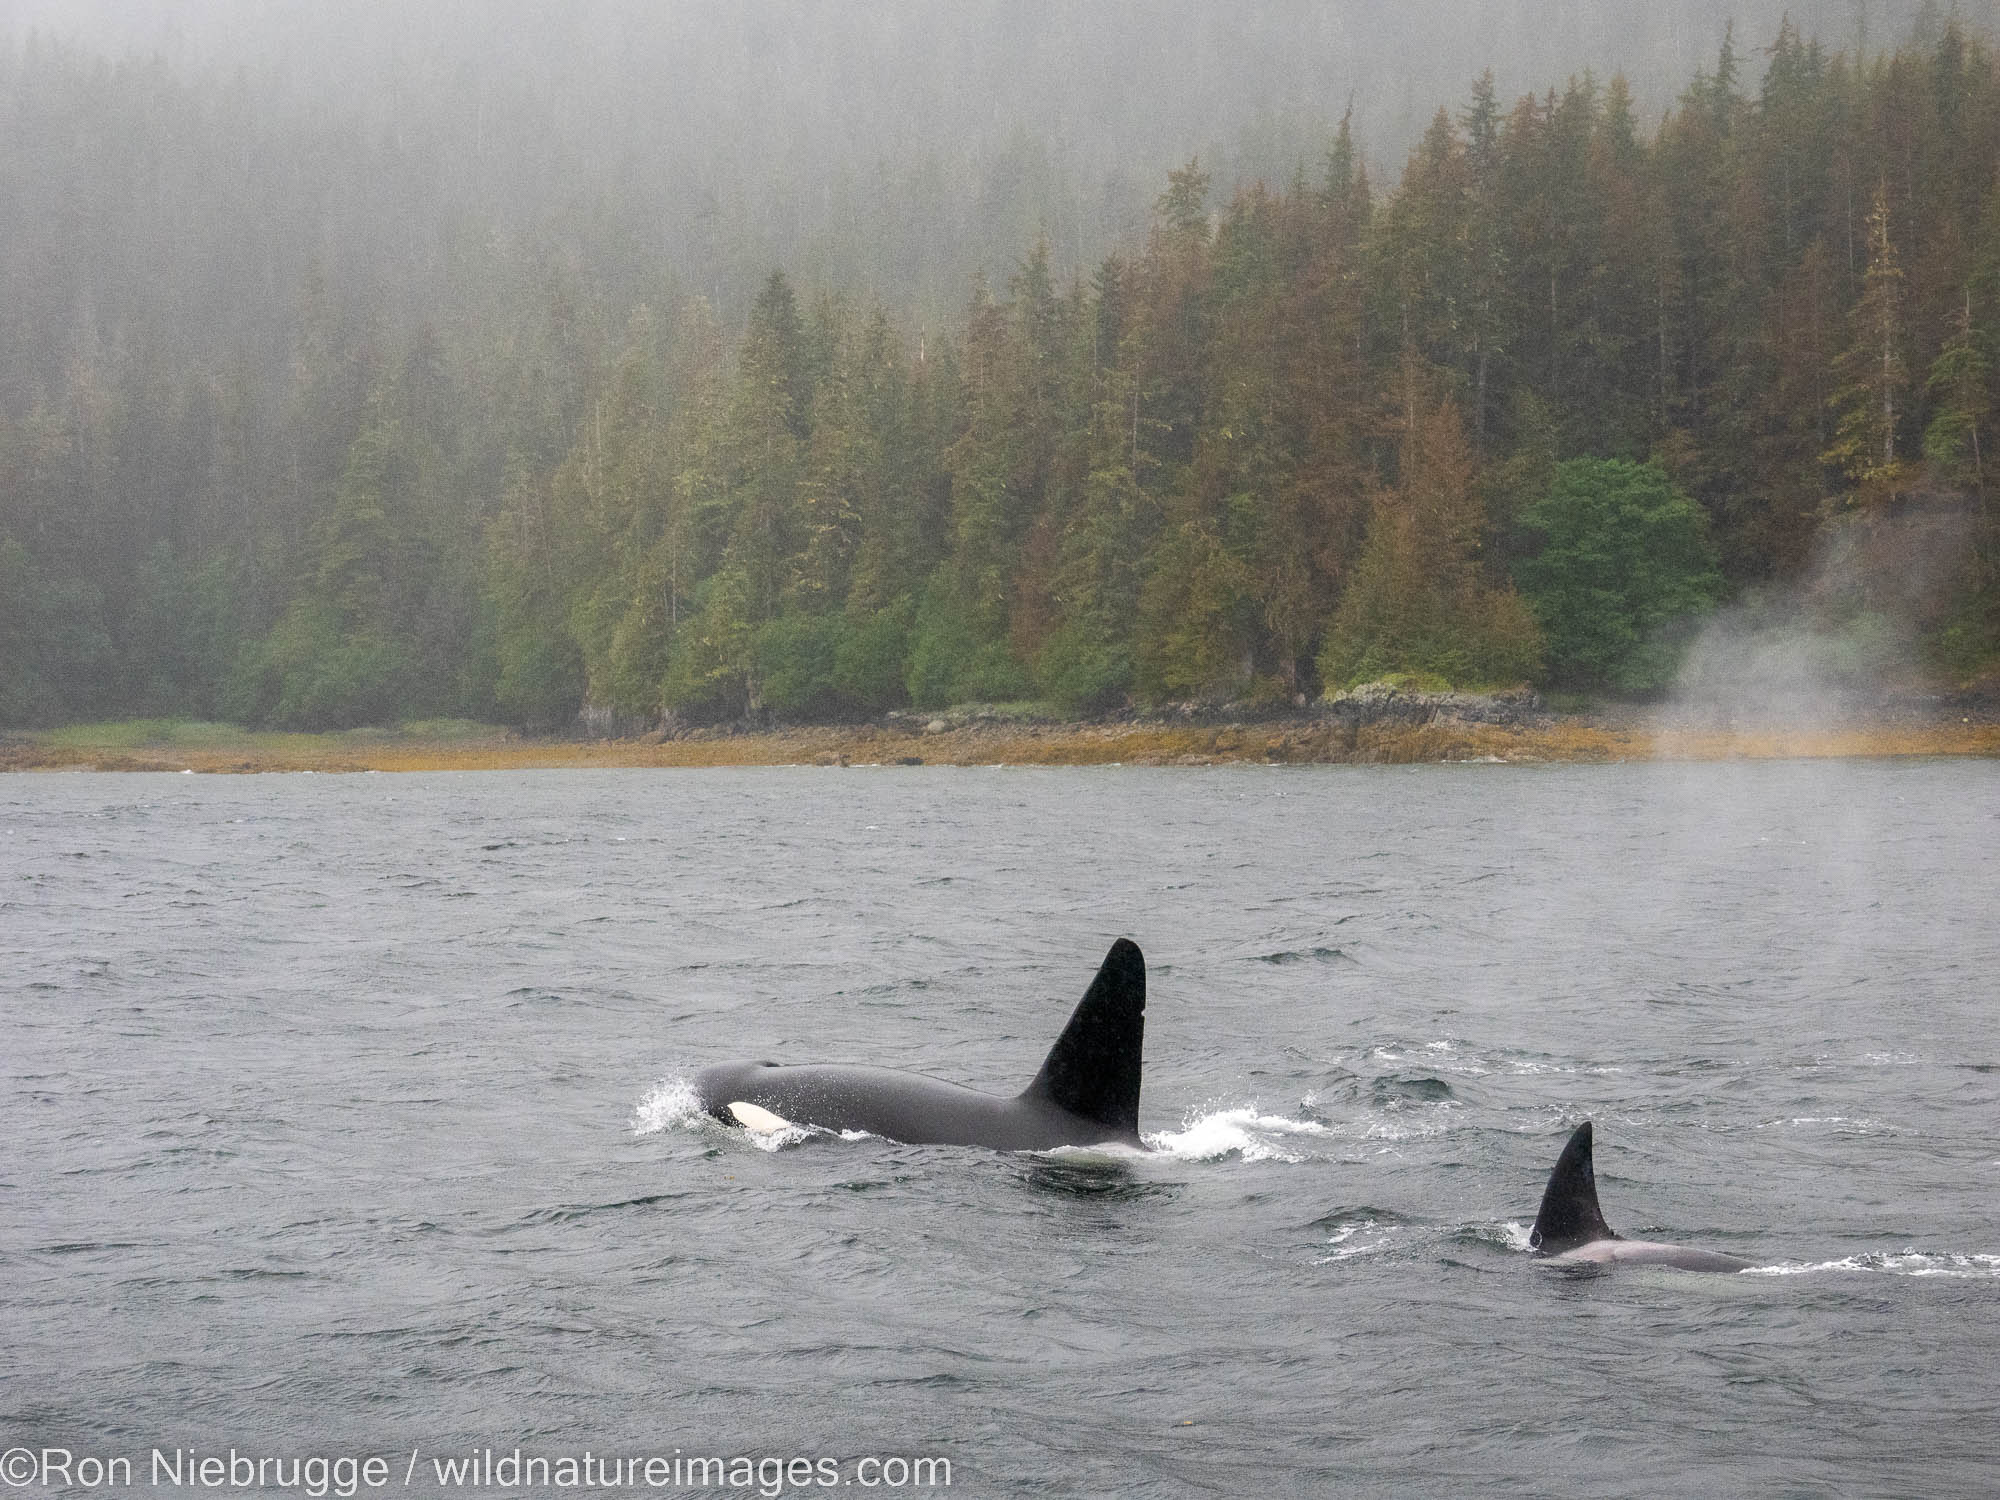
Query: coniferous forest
1522, 411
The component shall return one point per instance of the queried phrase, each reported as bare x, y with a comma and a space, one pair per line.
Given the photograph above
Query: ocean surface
348, 1116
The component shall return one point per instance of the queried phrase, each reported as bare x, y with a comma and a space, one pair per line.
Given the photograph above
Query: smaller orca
1087, 1093
1570, 1229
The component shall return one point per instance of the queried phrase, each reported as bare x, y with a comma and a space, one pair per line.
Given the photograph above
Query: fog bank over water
781, 132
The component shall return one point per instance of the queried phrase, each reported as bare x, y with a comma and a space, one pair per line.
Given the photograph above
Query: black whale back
1569, 1215
1093, 1069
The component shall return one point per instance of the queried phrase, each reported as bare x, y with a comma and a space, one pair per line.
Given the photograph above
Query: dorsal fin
1093, 1069
1569, 1215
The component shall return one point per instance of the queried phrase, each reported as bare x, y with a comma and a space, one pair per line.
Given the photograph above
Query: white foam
1362, 1237
787, 1134
669, 1105
672, 1105
1844, 1124
1894, 1263
769, 1132
1241, 1131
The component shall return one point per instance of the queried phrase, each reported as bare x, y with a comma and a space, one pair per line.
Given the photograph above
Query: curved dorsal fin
1093, 1069
1569, 1215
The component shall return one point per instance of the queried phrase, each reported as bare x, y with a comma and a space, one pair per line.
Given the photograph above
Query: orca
1570, 1228
1087, 1093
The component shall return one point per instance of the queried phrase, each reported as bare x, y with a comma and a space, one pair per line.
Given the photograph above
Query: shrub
1624, 569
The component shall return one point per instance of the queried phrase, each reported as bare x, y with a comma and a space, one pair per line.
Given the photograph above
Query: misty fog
897, 146
363, 362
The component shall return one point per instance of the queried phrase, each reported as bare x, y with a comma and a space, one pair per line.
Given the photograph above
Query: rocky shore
1377, 724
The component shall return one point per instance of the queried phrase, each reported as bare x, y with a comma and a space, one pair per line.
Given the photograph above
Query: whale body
1086, 1094
1570, 1228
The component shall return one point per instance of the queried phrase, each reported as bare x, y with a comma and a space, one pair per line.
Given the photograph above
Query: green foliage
869, 658
185, 631
1396, 622
1872, 403
541, 677
710, 671
53, 643
1960, 384
311, 672
949, 661
1082, 671
1283, 431
1195, 617
1419, 600
794, 657
1967, 645
1623, 568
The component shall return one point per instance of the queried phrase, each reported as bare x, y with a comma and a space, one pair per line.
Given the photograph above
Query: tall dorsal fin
1569, 1215
1093, 1069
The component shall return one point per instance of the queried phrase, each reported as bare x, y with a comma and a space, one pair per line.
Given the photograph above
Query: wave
1308, 955
1240, 1131
1836, 1124
1893, 1263
1357, 1232
1452, 1055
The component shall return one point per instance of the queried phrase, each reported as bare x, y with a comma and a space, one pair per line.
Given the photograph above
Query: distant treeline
1525, 415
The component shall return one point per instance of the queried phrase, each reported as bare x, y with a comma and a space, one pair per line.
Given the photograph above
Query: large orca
1087, 1093
1570, 1229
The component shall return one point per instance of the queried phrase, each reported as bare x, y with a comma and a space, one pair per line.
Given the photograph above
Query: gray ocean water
347, 1115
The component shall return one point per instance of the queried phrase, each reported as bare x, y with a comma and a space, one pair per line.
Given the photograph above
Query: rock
1386, 703
936, 726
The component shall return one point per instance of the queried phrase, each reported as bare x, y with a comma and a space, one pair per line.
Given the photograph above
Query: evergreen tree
1872, 399
1420, 603
1623, 569
1960, 385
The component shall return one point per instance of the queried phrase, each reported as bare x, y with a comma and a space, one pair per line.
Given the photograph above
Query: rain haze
894, 146
1070, 698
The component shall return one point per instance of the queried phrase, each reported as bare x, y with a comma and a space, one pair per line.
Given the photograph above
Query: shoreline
1561, 739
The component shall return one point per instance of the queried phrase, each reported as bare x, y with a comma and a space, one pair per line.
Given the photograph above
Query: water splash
1242, 1131
670, 1104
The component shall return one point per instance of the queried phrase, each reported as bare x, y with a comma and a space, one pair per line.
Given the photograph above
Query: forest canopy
1521, 414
